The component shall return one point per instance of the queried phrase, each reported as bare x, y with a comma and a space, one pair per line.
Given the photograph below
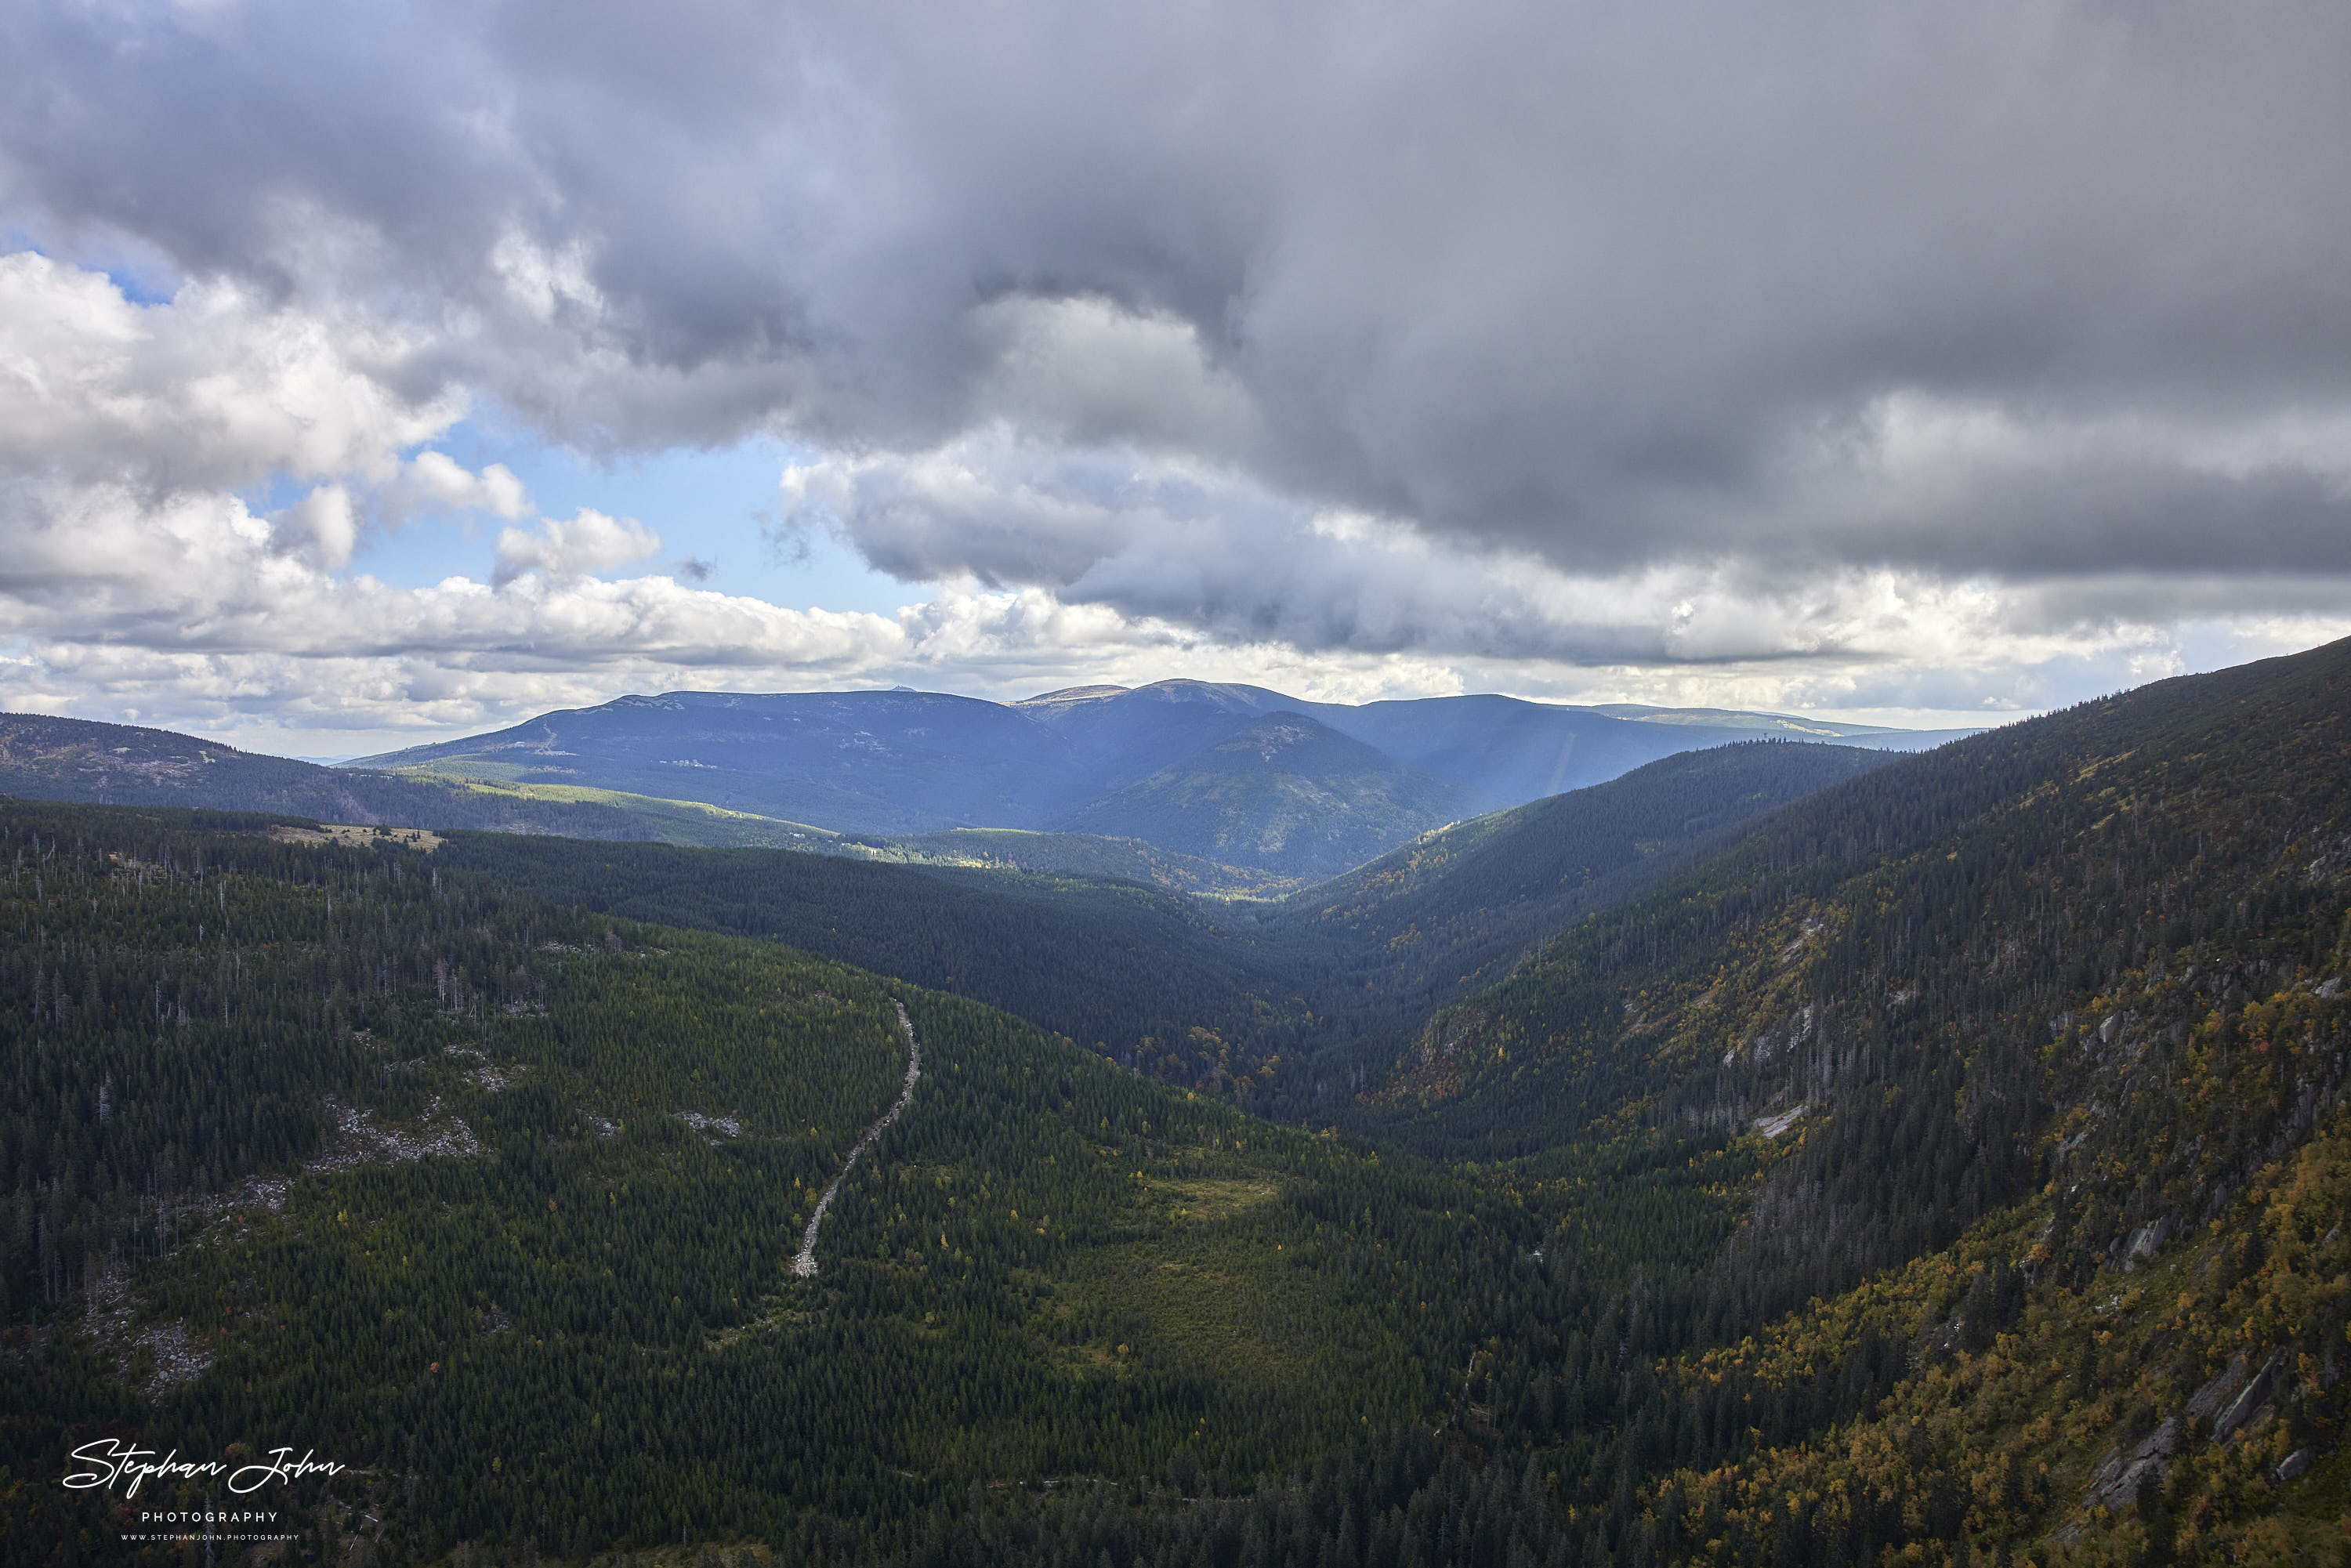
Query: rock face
2230, 1399
2208, 1399
2249, 1402
2115, 1483
2149, 1239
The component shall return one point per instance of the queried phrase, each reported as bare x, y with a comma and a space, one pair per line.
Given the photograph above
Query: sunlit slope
654, 818
1074, 855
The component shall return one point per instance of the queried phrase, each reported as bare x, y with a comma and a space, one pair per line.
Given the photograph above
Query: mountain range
1232, 774
1208, 788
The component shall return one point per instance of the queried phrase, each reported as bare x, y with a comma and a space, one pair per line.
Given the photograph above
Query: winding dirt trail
804, 1265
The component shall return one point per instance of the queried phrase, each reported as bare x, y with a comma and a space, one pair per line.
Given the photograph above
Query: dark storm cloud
2028, 290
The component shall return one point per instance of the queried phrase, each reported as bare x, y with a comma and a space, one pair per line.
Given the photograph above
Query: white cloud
1835, 357
1168, 540
213, 388
436, 480
586, 543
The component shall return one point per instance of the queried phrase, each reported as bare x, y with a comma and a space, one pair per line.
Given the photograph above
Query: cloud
586, 543
215, 388
434, 479
1609, 284
1508, 341
1169, 540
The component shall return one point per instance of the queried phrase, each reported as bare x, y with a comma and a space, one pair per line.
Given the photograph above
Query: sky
375, 373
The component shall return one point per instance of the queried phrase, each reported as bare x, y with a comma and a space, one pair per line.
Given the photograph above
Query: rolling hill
879, 762
46, 758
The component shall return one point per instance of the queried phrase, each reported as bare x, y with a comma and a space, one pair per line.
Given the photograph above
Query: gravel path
805, 1264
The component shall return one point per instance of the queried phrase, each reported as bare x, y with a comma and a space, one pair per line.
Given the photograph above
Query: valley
1767, 1152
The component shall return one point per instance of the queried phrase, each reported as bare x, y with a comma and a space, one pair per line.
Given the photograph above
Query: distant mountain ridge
1123, 762
47, 759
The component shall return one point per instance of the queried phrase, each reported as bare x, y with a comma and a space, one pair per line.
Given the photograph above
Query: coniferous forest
1783, 1159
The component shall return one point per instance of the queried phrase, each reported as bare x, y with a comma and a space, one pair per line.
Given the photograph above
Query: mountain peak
1230, 695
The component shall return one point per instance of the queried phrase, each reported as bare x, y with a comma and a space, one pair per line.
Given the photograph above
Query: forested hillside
497, 1203
2048, 1030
